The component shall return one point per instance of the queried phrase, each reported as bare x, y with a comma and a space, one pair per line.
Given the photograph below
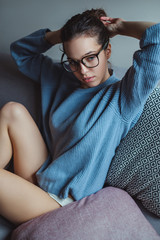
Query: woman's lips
88, 79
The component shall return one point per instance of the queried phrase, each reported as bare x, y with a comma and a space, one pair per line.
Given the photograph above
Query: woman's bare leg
20, 136
21, 200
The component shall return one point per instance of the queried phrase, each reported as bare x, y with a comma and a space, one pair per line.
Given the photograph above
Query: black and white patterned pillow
136, 165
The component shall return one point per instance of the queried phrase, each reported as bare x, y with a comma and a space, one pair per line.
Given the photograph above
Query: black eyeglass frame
81, 61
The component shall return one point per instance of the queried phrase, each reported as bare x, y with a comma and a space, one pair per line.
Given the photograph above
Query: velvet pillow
110, 214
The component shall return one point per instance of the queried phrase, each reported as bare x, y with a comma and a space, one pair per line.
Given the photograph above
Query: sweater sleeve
143, 76
27, 53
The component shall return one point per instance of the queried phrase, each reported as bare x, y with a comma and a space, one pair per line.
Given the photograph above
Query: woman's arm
117, 26
28, 53
144, 74
134, 29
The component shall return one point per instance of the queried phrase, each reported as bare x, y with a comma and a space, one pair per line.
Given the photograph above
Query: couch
109, 214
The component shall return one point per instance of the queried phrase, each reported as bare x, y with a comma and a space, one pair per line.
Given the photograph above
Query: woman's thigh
21, 200
28, 147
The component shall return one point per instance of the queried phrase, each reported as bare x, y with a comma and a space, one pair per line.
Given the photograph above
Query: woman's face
82, 46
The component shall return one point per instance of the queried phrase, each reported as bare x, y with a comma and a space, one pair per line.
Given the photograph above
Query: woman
86, 112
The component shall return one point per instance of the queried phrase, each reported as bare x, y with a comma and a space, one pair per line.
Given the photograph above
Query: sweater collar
111, 80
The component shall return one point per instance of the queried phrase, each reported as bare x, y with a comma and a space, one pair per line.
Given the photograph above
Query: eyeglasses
90, 61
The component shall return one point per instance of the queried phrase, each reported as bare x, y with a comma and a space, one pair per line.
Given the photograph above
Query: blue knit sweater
83, 127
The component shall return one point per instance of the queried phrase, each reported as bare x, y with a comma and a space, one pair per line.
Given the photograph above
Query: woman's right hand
54, 37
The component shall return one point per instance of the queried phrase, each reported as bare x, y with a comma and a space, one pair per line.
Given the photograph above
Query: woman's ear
108, 51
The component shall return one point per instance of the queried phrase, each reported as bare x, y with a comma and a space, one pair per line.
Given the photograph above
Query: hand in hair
119, 26
113, 25
53, 37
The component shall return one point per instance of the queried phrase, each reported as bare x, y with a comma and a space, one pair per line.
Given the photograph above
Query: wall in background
21, 17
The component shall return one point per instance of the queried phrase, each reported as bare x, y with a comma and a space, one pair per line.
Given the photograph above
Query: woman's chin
91, 84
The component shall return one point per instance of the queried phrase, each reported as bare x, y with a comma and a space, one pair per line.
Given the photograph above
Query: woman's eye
72, 63
91, 58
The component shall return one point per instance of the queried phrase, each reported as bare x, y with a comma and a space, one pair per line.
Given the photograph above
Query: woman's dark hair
87, 23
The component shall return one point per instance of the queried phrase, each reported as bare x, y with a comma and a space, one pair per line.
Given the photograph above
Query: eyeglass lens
88, 61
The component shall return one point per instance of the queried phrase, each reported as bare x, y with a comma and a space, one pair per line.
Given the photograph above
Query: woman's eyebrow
86, 54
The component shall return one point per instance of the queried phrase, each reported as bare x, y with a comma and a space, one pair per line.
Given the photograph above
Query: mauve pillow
110, 214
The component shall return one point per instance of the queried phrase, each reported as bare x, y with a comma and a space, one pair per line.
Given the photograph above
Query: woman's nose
83, 68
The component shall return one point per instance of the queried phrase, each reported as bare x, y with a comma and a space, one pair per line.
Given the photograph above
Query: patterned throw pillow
136, 165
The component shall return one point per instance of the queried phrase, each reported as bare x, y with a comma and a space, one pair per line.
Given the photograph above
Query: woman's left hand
113, 25
117, 26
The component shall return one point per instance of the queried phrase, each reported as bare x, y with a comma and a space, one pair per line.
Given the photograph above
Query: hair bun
98, 13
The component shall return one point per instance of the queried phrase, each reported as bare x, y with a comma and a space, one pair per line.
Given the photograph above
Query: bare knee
12, 111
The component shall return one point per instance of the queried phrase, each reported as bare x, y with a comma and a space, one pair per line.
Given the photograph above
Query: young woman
86, 112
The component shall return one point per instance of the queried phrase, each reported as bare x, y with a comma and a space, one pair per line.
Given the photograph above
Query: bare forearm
53, 37
134, 29
117, 26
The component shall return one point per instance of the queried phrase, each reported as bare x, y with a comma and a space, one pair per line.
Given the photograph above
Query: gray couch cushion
5, 229
14, 86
